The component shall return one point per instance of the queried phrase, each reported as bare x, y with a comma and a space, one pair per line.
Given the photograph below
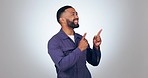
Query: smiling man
69, 50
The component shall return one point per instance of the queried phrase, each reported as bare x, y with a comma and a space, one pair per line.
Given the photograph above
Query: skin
71, 14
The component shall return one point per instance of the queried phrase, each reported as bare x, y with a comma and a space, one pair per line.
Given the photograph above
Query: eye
74, 13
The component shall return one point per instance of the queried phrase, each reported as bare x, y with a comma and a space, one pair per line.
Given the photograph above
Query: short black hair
61, 10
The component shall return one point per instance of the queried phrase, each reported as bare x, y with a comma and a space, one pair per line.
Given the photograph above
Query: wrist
80, 48
97, 47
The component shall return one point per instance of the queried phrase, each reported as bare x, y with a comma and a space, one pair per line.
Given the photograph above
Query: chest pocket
68, 50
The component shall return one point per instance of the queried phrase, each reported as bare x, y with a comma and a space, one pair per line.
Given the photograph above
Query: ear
62, 20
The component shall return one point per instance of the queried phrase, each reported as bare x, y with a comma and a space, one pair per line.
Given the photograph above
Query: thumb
83, 37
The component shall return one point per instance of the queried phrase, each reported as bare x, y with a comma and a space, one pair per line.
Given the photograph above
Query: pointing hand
97, 40
83, 44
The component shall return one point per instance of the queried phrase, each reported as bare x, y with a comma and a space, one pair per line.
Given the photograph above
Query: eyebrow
74, 12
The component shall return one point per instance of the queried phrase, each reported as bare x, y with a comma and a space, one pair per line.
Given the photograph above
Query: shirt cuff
97, 51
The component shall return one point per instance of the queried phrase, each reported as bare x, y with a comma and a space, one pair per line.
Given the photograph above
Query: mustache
75, 19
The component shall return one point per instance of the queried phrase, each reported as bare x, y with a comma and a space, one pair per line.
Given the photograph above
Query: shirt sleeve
61, 61
93, 56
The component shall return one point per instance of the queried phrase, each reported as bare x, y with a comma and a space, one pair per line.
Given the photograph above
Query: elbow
95, 64
61, 67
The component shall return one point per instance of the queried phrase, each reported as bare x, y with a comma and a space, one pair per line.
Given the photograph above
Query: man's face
72, 18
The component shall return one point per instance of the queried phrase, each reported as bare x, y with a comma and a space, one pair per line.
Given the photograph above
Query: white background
27, 25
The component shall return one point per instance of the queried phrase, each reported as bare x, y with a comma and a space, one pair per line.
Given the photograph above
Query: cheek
71, 19
64, 20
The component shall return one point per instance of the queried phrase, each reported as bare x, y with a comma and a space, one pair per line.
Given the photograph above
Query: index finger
99, 32
84, 36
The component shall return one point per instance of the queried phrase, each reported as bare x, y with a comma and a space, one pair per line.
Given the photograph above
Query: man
69, 50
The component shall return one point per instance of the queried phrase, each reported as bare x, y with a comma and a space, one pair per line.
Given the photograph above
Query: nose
76, 16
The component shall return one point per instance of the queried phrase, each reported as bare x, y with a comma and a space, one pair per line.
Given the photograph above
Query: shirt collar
64, 36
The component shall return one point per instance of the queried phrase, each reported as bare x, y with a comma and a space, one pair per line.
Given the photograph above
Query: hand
83, 44
97, 40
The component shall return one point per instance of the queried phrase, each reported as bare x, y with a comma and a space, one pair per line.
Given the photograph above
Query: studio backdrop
27, 25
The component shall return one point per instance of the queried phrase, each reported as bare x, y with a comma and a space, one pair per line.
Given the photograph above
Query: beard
71, 24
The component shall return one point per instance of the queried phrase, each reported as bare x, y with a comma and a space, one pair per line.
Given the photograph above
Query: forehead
71, 10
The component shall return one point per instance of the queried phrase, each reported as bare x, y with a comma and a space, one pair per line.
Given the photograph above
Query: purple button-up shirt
69, 61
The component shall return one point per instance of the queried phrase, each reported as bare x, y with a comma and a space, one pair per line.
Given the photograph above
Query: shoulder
54, 40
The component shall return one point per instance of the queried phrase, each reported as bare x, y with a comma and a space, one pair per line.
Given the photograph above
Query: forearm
66, 62
94, 56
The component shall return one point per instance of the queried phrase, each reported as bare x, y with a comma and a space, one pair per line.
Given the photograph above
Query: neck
68, 30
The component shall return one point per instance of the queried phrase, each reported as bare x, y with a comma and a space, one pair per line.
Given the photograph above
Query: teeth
76, 21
